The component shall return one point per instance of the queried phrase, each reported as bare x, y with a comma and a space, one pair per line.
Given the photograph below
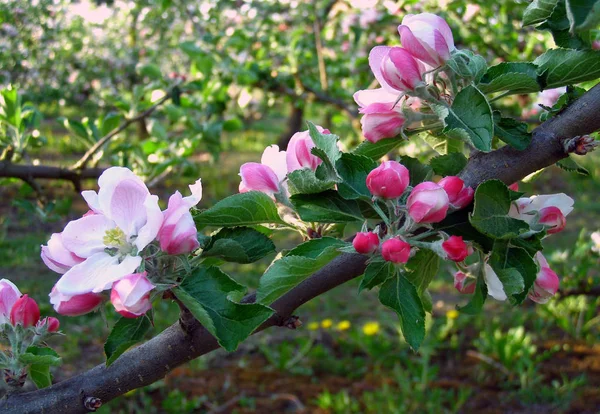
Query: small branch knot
293, 322
92, 403
580, 145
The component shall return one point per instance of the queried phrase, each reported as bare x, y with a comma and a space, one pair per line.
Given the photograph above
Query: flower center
115, 238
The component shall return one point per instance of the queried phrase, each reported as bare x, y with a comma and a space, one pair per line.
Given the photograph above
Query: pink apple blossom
546, 282
528, 208
455, 248
127, 218
131, 295
298, 153
25, 312
553, 218
178, 234
458, 195
396, 69
56, 256
266, 177
395, 250
365, 242
427, 203
427, 37
389, 180
9, 294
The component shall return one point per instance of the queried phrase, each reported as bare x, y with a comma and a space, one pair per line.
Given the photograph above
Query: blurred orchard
176, 171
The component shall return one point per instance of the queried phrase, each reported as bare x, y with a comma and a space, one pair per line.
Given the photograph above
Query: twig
31, 172
81, 163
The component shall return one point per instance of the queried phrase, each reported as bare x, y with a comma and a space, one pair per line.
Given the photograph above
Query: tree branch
81, 163
152, 360
29, 173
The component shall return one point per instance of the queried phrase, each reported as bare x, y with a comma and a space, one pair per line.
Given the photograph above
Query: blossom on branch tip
427, 37
131, 295
428, 203
389, 180
178, 234
546, 282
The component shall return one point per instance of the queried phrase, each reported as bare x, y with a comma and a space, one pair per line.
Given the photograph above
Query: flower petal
154, 220
494, 285
276, 160
367, 97
376, 58
84, 237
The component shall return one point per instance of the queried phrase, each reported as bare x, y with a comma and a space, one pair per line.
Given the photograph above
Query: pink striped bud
427, 203
552, 216
298, 153
396, 69
458, 195
395, 251
51, 323
546, 283
455, 248
131, 295
178, 234
389, 180
74, 305
25, 312
366, 242
463, 283
427, 37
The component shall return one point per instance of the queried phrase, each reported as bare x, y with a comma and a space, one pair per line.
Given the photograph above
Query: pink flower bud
395, 250
365, 243
463, 283
51, 323
396, 69
381, 120
389, 180
552, 217
458, 195
258, 177
131, 295
178, 234
456, 249
298, 153
427, 203
57, 257
9, 294
546, 282
74, 305
514, 187
427, 37
25, 311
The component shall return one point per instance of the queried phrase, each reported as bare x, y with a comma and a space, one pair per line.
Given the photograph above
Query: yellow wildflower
326, 323
343, 325
370, 328
313, 326
452, 314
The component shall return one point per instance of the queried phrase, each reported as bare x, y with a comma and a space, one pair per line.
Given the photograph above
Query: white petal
494, 285
154, 220
196, 196
367, 97
96, 274
275, 159
561, 200
91, 198
84, 237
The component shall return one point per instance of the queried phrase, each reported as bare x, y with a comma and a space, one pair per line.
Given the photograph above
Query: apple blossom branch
154, 359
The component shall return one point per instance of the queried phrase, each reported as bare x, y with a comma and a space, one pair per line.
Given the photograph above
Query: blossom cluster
18, 309
427, 44
413, 210
107, 247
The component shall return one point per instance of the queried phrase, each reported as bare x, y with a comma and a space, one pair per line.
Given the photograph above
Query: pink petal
259, 177
96, 274
367, 97
154, 220
376, 58
126, 205
84, 237
276, 160
415, 47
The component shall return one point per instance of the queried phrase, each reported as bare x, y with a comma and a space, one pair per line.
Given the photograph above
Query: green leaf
470, 119
538, 11
583, 14
442, 145
418, 171
516, 77
326, 207
466, 64
150, 70
449, 164
490, 215
305, 181
563, 67
354, 170
327, 143
206, 293
569, 164
511, 131
515, 268
477, 301
377, 272
378, 149
240, 210
239, 245
400, 295
126, 333
40, 356
288, 271
422, 268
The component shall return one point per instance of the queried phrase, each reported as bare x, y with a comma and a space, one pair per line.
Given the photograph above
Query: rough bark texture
174, 346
